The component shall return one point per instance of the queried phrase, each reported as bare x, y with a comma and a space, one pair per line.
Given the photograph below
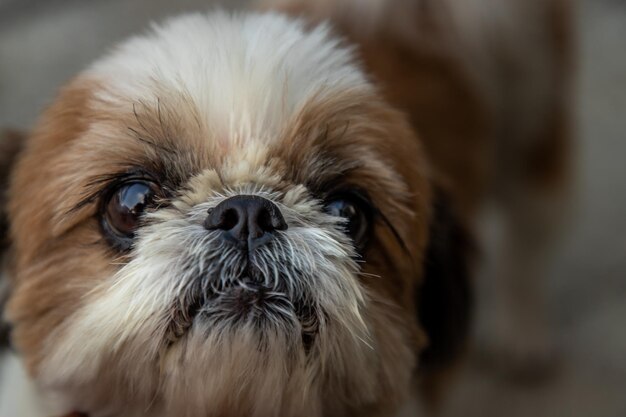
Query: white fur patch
18, 395
246, 74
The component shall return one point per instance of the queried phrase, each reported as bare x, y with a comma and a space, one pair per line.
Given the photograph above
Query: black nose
247, 220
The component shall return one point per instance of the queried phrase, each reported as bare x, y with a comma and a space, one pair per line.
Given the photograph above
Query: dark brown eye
357, 213
123, 211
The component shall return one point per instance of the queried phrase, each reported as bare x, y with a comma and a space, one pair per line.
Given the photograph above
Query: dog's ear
445, 297
11, 143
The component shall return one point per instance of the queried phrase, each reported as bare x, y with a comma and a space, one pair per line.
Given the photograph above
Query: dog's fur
214, 106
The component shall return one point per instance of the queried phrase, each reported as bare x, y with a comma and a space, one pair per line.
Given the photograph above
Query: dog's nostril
265, 221
229, 220
246, 220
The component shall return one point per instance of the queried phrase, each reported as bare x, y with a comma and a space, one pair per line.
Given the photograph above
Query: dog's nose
247, 220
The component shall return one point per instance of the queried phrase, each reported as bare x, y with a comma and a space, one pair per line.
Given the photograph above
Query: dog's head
224, 217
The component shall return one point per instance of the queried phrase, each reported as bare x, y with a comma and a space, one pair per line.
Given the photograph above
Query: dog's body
405, 138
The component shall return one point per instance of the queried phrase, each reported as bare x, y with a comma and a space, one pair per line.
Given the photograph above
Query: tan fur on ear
10, 144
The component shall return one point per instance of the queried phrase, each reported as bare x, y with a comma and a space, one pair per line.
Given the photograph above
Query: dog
269, 214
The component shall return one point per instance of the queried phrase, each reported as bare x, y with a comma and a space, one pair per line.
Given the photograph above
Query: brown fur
38, 305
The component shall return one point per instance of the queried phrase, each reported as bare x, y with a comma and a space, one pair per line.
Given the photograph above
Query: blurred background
43, 43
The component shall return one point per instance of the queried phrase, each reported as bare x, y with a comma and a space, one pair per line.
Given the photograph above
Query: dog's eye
123, 210
357, 213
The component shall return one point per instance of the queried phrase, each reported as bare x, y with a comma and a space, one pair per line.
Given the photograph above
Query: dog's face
222, 217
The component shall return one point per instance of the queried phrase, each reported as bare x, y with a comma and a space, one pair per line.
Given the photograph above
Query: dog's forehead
244, 76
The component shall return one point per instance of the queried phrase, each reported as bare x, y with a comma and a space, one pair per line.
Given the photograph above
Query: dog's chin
248, 301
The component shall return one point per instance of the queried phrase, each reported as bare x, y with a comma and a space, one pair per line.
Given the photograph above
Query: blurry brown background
45, 42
